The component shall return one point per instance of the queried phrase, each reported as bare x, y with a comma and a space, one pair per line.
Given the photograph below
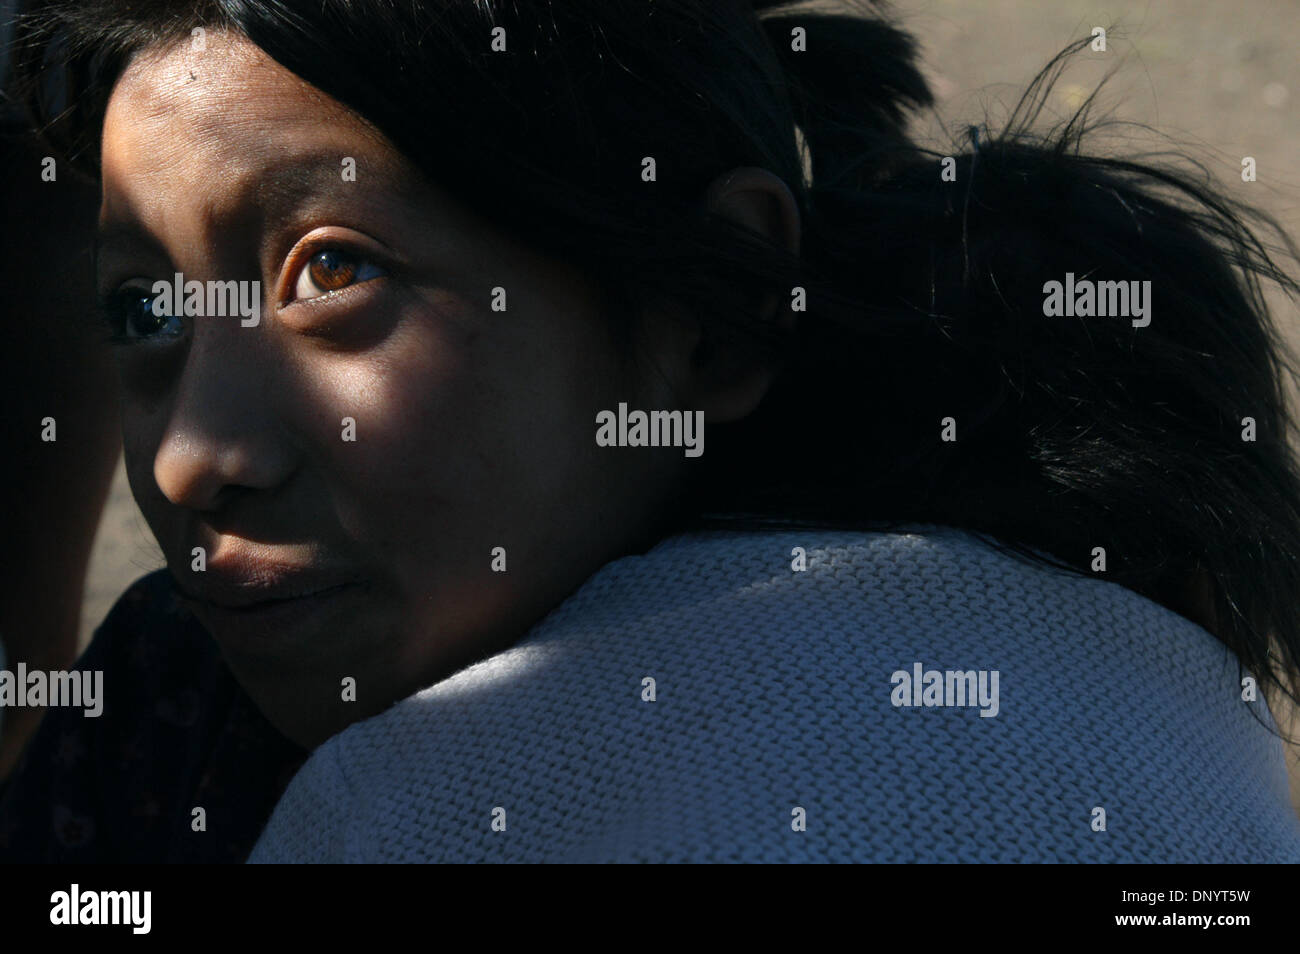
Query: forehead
229, 75
205, 139
179, 106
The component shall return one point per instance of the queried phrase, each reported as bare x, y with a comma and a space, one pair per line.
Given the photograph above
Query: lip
254, 584
276, 618
250, 600
237, 579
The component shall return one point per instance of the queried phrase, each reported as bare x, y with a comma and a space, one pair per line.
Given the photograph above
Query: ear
724, 379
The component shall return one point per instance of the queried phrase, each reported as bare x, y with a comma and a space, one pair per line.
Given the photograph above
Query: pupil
330, 270
143, 320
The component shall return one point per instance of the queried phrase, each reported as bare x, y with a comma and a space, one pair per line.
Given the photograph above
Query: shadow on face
330, 477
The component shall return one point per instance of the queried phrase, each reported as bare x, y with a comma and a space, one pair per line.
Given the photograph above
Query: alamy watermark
210, 299
82, 688
74, 906
946, 687
651, 429
1087, 299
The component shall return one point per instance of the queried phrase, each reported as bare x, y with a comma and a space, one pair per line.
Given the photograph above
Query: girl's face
350, 463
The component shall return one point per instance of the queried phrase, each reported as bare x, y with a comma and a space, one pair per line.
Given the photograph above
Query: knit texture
774, 692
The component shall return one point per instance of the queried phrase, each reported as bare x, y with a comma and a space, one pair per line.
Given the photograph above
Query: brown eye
330, 270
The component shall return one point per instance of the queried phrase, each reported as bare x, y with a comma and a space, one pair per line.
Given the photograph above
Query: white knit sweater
774, 735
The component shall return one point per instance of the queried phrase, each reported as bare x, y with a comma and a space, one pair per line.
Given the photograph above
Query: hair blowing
924, 297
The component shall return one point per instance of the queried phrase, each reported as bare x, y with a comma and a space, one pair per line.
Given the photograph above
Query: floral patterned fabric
177, 733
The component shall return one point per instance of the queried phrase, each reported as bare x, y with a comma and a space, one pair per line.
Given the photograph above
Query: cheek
399, 420
469, 434
142, 430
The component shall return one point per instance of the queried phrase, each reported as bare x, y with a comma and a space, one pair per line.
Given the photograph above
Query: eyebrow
274, 194
285, 186
119, 233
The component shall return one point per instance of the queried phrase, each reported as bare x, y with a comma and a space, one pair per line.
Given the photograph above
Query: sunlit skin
474, 428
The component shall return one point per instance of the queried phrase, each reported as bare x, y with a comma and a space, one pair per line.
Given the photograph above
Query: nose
222, 433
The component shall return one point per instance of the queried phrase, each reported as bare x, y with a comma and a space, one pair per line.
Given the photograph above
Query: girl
960, 573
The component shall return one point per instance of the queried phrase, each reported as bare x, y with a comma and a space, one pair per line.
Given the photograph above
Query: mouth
265, 623
242, 591
252, 604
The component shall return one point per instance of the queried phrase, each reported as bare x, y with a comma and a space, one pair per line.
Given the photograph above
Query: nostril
187, 473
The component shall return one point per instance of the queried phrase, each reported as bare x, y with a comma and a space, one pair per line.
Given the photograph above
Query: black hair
924, 292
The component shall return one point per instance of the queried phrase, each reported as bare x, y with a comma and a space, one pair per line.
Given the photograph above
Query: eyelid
330, 237
114, 284
138, 281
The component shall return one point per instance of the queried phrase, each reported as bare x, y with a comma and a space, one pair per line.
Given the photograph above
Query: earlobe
730, 384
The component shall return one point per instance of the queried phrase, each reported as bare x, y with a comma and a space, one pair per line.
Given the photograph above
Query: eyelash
363, 270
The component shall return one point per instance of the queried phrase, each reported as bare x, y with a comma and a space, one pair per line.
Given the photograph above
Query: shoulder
697, 702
